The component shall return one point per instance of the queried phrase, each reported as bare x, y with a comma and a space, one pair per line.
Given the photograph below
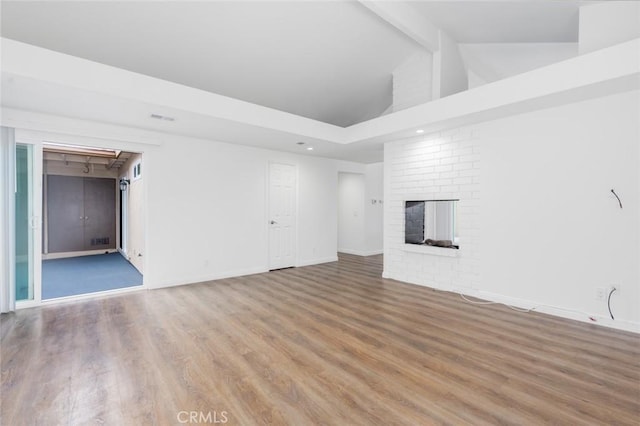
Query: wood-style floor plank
327, 344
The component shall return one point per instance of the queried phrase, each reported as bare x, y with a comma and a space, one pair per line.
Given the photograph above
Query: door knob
273, 222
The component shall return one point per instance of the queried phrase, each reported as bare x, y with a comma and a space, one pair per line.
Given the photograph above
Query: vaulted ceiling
330, 61
327, 60
479, 21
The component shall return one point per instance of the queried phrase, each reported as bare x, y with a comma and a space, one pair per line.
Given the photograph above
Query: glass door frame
35, 221
36, 138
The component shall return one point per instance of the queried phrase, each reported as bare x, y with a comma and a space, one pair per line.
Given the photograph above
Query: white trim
36, 189
38, 173
236, 273
211, 277
66, 254
75, 131
432, 250
360, 252
36, 138
7, 180
123, 217
601, 320
45, 210
557, 311
296, 210
311, 262
94, 295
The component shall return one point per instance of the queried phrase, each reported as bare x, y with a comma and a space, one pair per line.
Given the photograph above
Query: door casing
282, 212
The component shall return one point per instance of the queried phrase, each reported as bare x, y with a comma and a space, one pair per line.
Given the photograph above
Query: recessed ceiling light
419, 131
309, 148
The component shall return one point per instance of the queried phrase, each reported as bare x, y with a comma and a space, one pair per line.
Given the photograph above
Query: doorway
351, 213
282, 215
85, 198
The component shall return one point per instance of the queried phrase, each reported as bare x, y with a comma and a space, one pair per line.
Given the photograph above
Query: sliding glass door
25, 223
20, 193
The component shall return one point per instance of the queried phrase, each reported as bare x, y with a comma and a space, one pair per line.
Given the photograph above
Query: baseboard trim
557, 311
64, 255
231, 274
317, 261
208, 277
360, 252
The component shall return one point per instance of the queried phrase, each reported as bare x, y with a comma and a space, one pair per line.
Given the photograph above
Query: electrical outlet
601, 293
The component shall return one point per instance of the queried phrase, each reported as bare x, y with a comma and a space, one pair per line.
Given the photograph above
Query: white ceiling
326, 60
330, 61
495, 61
27, 94
513, 21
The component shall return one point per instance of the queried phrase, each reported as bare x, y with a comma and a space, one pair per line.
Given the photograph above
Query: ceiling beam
402, 16
74, 158
47, 66
604, 72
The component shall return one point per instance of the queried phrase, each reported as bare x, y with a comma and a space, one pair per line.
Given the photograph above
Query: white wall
434, 167
450, 71
412, 81
538, 223
488, 62
351, 213
205, 205
317, 208
574, 237
604, 24
135, 246
360, 210
475, 80
374, 225
206, 210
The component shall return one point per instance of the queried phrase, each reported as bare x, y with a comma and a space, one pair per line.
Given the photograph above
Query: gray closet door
65, 213
99, 213
81, 213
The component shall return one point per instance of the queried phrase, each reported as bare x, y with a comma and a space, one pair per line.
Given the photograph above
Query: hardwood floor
328, 344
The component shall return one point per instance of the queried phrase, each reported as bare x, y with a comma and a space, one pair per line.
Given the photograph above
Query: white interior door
282, 215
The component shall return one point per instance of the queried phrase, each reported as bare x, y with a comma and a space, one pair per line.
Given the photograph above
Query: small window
137, 171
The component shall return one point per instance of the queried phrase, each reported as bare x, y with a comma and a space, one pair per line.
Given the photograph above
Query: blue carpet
87, 274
